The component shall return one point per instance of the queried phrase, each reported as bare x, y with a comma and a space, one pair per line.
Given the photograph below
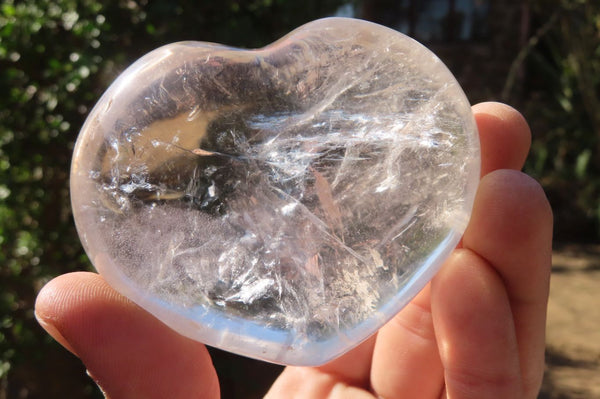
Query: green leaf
8, 10
582, 162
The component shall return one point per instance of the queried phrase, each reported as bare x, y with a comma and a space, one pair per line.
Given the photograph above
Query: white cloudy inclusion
281, 203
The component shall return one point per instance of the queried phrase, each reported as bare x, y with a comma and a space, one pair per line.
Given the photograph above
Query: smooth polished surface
281, 203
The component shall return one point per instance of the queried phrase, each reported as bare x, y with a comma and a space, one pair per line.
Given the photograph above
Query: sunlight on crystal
281, 203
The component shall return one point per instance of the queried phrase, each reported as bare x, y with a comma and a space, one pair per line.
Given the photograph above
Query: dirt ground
573, 329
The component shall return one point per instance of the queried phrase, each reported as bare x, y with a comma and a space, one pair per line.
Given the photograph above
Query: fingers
406, 361
344, 377
127, 351
406, 358
311, 383
131, 354
353, 367
504, 135
475, 330
511, 227
501, 275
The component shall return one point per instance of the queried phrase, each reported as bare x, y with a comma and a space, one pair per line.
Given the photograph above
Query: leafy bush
562, 102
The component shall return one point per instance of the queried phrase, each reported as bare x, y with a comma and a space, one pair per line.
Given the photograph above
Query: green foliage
45, 67
564, 106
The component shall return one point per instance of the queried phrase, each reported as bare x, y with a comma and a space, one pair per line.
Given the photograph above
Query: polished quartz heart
280, 203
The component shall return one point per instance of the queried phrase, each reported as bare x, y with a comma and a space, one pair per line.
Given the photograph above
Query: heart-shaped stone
281, 203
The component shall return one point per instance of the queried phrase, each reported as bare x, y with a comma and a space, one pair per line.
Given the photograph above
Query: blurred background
57, 57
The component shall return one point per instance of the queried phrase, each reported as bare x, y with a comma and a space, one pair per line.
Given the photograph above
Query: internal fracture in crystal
282, 203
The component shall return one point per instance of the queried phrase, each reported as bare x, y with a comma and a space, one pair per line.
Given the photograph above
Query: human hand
476, 331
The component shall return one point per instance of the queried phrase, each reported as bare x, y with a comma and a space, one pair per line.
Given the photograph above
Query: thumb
128, 352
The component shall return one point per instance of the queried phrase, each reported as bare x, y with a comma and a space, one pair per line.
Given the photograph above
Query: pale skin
476, 331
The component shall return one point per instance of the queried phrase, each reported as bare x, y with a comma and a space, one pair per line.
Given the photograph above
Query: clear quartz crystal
281, 203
